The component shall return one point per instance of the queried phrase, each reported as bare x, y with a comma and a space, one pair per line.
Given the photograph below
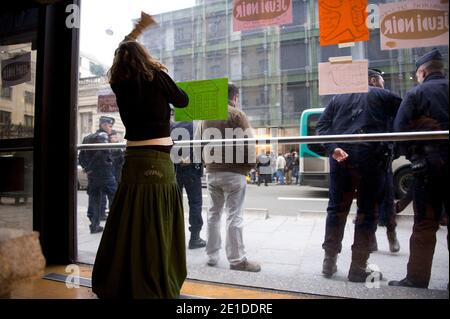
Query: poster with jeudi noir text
252, 14
414, 23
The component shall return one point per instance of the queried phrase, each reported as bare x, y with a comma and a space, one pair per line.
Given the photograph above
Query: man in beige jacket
226, 169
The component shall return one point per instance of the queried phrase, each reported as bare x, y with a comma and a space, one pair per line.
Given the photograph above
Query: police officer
386, 206
117, 156
264, 168
100, 174
355, 168
425, 108
189, 175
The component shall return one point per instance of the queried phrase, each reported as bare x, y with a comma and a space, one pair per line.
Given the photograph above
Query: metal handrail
348, 138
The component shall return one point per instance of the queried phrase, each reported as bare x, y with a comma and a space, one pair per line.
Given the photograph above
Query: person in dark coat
101, 181
355, 169
189, 176
425, 108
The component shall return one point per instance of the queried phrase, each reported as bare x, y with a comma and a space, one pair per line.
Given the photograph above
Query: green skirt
142, 253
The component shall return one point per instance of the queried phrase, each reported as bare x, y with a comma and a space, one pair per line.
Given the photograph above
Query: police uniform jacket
358, 113
425, 108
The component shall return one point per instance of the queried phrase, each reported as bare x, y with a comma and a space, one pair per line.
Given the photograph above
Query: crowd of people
142, 250
283, 169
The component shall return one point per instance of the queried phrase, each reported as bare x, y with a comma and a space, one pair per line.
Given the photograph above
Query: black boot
195, 241
373, 245
329, 264
95, 229
407, 283
358, 269
394, 245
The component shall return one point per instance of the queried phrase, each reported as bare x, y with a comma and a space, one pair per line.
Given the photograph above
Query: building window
6, 93
29, 120
5, 117
263, 65
85, 123
214, 71
29, 97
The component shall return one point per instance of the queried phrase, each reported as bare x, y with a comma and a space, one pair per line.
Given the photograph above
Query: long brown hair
131, 60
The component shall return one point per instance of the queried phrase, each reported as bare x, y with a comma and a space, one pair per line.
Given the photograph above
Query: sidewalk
290, 253
289, 250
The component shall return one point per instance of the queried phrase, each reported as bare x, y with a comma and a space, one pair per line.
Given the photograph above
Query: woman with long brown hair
142, 251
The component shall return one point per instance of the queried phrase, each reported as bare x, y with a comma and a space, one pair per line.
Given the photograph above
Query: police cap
375, 72
433, 55
107, 120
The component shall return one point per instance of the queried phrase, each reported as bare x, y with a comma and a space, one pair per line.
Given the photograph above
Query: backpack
84, 158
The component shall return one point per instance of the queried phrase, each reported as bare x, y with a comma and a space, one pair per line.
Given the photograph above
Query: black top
144, 106
425, 108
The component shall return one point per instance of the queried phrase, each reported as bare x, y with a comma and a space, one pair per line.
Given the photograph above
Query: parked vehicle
314, 165
82, 180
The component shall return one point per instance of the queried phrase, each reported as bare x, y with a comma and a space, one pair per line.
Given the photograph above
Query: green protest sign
208, 100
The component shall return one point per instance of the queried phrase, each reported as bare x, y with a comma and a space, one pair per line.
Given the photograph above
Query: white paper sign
343, 77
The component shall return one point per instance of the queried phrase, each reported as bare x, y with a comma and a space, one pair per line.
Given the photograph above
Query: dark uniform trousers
387, 206
430, 197
98, 187
189, 177
346, 179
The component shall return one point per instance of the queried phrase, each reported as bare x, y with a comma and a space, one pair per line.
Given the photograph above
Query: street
277, 199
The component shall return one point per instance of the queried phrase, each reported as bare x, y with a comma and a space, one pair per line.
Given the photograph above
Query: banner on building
343, 21
343, 76
252, 14
107, 102
413, 23
208, 100
17, 70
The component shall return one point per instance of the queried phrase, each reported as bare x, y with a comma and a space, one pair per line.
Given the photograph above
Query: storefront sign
252, 14
107, 103
414, 23
17, 70
343, 21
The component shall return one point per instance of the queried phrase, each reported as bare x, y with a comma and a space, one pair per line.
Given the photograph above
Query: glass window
17, 92
28, 121
276, 71
5, 117
7, 93
29, 97
17, 111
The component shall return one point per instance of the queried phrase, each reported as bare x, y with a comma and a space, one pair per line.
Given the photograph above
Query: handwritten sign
252, 14
413, 23
17, 70
208, 100
342, 21
343, 77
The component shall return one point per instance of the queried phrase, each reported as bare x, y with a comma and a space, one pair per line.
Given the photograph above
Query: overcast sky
99, 15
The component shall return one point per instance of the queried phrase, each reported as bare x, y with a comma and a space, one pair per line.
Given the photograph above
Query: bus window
311, 123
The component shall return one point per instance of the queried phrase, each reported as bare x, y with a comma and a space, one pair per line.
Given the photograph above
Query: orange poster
343, 21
